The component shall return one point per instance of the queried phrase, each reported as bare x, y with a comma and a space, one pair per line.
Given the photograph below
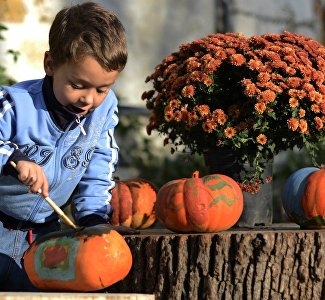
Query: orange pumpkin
82, 260
133, 203
313, 199
210, 203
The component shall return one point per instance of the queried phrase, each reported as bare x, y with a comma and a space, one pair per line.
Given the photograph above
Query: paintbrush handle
56, 208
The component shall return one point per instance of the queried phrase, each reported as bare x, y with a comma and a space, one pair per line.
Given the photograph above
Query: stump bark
269, 263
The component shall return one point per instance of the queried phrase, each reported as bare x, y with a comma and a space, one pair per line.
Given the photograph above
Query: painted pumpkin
207, 204
313, 199
82, 260
133, 203
303, 197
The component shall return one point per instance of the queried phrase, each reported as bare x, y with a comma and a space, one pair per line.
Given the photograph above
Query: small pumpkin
313, 199
211, 203
303, 197
82, 260
133, 203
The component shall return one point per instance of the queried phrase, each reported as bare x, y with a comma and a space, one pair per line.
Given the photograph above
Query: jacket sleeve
93, 194
7, 123
8, 150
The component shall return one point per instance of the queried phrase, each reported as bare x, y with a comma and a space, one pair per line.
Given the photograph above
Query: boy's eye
102, 91
76, 86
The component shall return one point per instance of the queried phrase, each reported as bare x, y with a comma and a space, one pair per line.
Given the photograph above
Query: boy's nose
87, 98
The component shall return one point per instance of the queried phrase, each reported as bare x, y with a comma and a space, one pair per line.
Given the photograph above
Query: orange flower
169, 114
207, 80
255, 65
222, 119
273, 87
267, 96
178, 116
261, 139
251, 90
294, 82
308, 87
174, 103
188, 91
322, 108
303, 126
212, 65
263, 77
203, 110
315, 108
297, 93
302, 113
293, 102
293, 124
192, 64
237, 59
220, 116
229, 132
223, 88
319, 123
193, 119
209, 125
260, 107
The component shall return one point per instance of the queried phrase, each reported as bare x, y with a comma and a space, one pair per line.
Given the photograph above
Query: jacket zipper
41, 200
82, 129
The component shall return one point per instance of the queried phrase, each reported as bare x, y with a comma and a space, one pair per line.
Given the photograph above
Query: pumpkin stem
195, 174
322, 167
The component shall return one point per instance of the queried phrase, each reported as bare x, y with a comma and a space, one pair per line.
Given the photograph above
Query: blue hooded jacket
79, 161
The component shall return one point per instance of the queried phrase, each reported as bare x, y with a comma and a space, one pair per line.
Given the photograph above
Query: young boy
59, 133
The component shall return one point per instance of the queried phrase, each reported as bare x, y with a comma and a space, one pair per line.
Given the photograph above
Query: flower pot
258, 208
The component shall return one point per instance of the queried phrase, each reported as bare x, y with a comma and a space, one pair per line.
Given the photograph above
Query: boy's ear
48, 63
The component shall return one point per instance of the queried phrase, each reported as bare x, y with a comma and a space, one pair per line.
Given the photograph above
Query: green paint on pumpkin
317, 222
61, 266
228, 201
216, 186
314, 223
211, 177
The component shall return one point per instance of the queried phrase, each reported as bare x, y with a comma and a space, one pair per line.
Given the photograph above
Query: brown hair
88, 29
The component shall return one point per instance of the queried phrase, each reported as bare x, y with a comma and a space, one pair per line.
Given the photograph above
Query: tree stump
275, 263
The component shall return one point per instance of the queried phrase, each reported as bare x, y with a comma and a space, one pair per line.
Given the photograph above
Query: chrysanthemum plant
256, 95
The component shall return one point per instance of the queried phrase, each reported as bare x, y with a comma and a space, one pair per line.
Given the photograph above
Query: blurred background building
156, 28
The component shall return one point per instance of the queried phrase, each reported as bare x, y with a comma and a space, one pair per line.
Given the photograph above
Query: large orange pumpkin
210, 203
313, 199
133, 203
82, 260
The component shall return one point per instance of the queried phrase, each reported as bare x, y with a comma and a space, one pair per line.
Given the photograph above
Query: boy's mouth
76, 110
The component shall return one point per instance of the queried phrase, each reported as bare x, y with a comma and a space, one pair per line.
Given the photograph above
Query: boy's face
81, 86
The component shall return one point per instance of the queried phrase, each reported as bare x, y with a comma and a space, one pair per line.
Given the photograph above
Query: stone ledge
72, 296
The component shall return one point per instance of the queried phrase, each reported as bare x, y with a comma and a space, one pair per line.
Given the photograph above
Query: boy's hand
32, 175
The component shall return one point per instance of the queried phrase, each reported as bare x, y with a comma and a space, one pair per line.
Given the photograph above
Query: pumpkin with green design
208, 204
85, 259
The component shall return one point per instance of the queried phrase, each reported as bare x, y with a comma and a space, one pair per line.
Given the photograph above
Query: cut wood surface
279, 262
72, 296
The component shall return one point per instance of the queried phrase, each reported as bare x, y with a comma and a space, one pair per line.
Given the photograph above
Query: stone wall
155, 28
